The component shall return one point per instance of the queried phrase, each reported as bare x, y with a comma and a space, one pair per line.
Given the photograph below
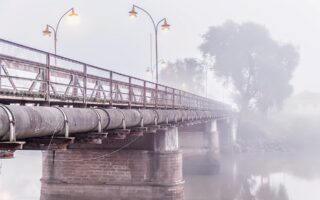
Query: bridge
96, 127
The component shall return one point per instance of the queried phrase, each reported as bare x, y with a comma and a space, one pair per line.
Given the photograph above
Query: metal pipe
32, 121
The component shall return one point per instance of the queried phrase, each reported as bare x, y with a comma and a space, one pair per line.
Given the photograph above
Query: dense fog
258, 60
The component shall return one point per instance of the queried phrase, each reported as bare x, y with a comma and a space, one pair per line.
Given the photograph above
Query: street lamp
47, 32
165, 27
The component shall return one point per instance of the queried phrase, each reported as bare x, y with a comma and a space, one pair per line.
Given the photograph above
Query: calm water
281, 176
277, 176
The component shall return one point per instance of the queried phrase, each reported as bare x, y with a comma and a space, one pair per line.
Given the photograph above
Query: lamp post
206, 66
150, 69
165, 27
206, 70
47, 31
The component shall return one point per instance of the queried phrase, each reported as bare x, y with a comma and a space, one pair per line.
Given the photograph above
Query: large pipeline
31, 121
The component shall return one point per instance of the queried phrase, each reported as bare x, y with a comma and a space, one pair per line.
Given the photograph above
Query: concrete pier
200, 147
202, 144
227, 129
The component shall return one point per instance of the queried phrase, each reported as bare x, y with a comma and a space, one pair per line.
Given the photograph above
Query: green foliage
258, 67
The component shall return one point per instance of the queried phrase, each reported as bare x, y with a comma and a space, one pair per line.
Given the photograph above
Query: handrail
148, 93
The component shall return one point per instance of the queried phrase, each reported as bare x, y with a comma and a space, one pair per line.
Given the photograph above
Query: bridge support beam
150, 168
200, 147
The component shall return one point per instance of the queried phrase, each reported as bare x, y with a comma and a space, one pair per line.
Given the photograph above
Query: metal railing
35, 75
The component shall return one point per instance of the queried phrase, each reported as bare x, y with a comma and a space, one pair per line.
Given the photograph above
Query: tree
258, 67
184, 74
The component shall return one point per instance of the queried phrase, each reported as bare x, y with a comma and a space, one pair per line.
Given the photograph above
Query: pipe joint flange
108, 115
12, 122
66, 122
156, 118
99, 120
123, 119
141, 118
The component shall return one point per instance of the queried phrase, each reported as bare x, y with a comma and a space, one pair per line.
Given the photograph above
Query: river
260, 176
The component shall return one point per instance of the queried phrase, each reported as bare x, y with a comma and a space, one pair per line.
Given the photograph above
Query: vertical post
75, 80
206, 81
47, 77
156, 96
166, 96
157, 71
180, 98
144, 94
55, 44
85, 85
130, 92
173, 98
151, 57
111, 87
55, 47
0, 74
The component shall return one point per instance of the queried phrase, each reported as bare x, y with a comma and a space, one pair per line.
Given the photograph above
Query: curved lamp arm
164, 19
153, 22
54, 31
58, 24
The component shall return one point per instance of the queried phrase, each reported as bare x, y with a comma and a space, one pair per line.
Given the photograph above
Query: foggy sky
107, 37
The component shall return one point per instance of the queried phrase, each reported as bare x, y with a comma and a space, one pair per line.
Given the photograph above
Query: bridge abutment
138, 172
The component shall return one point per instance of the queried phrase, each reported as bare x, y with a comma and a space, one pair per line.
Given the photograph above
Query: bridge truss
31, 75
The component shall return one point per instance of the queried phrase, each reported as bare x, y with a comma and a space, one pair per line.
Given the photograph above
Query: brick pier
138, 172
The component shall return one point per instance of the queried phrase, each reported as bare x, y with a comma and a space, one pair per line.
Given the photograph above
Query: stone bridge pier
201, 145
149, 168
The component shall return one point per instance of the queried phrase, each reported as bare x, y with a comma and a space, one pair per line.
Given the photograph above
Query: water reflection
259, 177
20, 177
281, 176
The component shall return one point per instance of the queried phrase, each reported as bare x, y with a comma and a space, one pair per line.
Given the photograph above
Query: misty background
105, 36
276, 41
